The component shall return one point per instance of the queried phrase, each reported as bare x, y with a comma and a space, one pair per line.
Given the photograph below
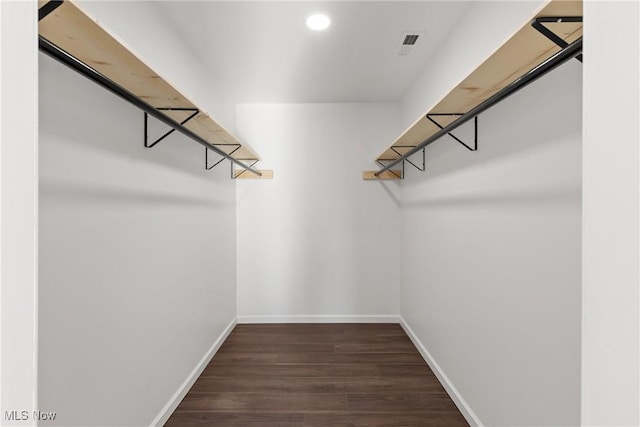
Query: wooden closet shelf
72, 30
524, 51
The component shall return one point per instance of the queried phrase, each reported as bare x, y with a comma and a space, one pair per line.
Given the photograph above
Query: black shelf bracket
194, 112
538, 24
382, 164
422, 168
475, 129
206, 155
233, 172
47, 8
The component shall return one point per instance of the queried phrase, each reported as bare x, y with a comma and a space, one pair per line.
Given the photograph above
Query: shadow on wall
392, 192
64, 190
565, 196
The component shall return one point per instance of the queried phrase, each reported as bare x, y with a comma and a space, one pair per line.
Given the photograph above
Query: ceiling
264, 52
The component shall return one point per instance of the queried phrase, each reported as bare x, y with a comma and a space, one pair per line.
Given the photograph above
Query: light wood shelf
525, 50
72, 30
266, 174
389, 175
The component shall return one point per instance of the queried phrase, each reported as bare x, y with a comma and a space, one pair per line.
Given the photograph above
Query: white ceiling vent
408, 39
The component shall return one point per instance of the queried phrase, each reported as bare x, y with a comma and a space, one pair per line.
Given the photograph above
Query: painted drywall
18, 212
137, 257
481, 31
491, 276
141, 26
317, 241
611, 314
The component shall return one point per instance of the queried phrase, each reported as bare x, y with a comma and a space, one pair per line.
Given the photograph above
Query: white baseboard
385, 318
182, 391
462, 405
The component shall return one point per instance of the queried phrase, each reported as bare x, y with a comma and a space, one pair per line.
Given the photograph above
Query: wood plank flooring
313, 375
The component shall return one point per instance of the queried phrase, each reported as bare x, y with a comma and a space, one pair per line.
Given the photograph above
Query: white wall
18, 209
491, 257
611, 308
137, 257
317, 240
481, 31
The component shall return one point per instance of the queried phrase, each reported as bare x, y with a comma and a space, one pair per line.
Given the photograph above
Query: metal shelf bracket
401, 174
475, 129
235, 175
194, 112
420, 168
47, 8
538, 24
206, 155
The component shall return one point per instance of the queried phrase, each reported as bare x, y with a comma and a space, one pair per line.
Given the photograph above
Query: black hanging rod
74, 63
567, 53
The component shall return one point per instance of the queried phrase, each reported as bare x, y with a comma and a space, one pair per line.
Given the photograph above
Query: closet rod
74, 63
553, 62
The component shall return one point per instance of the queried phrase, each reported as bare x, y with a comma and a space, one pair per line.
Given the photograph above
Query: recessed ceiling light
318, 22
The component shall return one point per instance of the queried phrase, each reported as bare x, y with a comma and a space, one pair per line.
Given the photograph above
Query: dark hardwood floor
303, 375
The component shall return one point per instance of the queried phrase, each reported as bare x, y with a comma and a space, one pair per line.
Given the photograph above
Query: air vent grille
410, 40
407, 41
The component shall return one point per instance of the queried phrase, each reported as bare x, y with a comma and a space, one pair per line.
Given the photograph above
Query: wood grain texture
435, 419
317, 375
319, 358
233, 419
72, 30
266, 174
384, 176
525, 50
